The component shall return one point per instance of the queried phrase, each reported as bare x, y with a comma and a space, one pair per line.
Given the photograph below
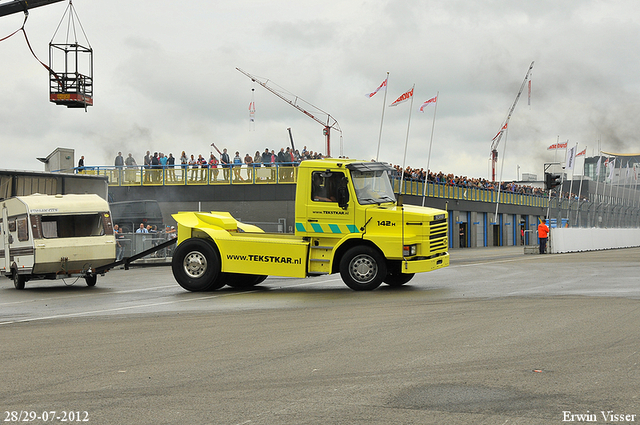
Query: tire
362, 268
242, 281
91, 279
196, 265
19, 280
398, 279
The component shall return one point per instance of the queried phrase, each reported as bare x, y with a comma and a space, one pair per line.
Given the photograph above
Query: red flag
382, 86
557, 146
406, 96
584, 152
432, 100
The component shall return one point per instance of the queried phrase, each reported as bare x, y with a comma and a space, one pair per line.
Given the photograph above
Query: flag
432, 100
252, 111
504, 127
612, 166
558, 146
598, 167
571, 158
382, 86
529, 101
405, 96
584, 152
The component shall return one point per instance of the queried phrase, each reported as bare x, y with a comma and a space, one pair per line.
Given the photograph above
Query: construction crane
503, 127
17, 6
320, 116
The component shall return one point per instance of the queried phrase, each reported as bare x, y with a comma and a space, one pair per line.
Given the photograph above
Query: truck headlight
409, 250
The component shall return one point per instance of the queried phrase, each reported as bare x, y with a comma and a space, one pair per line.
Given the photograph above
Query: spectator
171, 161
80, 168
130, 173
249, 161
237, 163
226, 164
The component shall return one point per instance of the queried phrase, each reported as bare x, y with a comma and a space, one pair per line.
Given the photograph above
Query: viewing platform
287, 175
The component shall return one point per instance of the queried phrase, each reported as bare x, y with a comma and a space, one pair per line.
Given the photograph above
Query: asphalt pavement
498, 337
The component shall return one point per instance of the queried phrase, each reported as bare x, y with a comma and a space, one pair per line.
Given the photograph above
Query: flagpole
613, 169
384, 102
433, 125
580, 190
573, 160
406, 142
595, 196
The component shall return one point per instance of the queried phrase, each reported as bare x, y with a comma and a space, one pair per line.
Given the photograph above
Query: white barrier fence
594, 239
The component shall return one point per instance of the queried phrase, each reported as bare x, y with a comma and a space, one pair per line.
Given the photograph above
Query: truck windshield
372, 187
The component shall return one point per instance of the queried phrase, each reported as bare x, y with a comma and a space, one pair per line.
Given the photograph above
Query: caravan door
6, 245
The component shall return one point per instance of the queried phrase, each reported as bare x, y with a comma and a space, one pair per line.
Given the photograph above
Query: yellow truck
347, 221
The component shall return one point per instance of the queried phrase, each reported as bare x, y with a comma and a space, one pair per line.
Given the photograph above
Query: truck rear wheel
398, 279
19, 280
196, 265
362, 268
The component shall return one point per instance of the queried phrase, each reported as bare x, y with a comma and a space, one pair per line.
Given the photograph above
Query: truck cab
347, 221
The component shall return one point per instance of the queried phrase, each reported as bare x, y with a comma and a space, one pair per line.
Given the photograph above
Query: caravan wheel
18, 280
91, 279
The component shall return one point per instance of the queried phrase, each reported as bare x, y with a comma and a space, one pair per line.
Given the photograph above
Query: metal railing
130, 244
283, 173
287, 173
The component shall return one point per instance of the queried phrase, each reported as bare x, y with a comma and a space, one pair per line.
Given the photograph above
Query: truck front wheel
398, 279
362, 268
196, 266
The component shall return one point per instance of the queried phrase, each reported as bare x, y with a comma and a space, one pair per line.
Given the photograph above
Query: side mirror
343, 196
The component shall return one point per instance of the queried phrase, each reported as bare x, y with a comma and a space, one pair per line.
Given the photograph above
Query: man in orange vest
543, 234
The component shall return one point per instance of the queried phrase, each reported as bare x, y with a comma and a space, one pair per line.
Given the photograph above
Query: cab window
325, 184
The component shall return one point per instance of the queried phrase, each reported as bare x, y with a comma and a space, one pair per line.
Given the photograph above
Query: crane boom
17, 6
503, 127
320, 116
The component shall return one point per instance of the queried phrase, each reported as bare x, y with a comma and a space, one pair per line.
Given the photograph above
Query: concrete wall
592, 239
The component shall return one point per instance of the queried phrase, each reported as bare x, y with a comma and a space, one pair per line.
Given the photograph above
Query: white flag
403, 98
598, 167
571, 158
612, 165
382, 86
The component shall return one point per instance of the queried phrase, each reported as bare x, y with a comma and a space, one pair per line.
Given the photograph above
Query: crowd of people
421, 175
232, 166
197, 166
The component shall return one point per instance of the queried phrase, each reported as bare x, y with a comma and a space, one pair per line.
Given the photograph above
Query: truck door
324, 216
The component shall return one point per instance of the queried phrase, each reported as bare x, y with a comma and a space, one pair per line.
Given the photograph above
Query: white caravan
55, 237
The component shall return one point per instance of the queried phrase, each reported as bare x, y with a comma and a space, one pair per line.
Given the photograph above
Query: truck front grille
438, 236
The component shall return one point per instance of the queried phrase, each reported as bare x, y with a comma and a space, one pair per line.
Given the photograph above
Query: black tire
362, 268
243, 281
91, 279
19, 280
398, 279
196, 265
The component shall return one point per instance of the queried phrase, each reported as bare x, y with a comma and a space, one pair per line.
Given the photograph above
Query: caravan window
23, 229
72, 226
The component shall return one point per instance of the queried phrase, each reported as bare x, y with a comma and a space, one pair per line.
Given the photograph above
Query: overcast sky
165, 79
